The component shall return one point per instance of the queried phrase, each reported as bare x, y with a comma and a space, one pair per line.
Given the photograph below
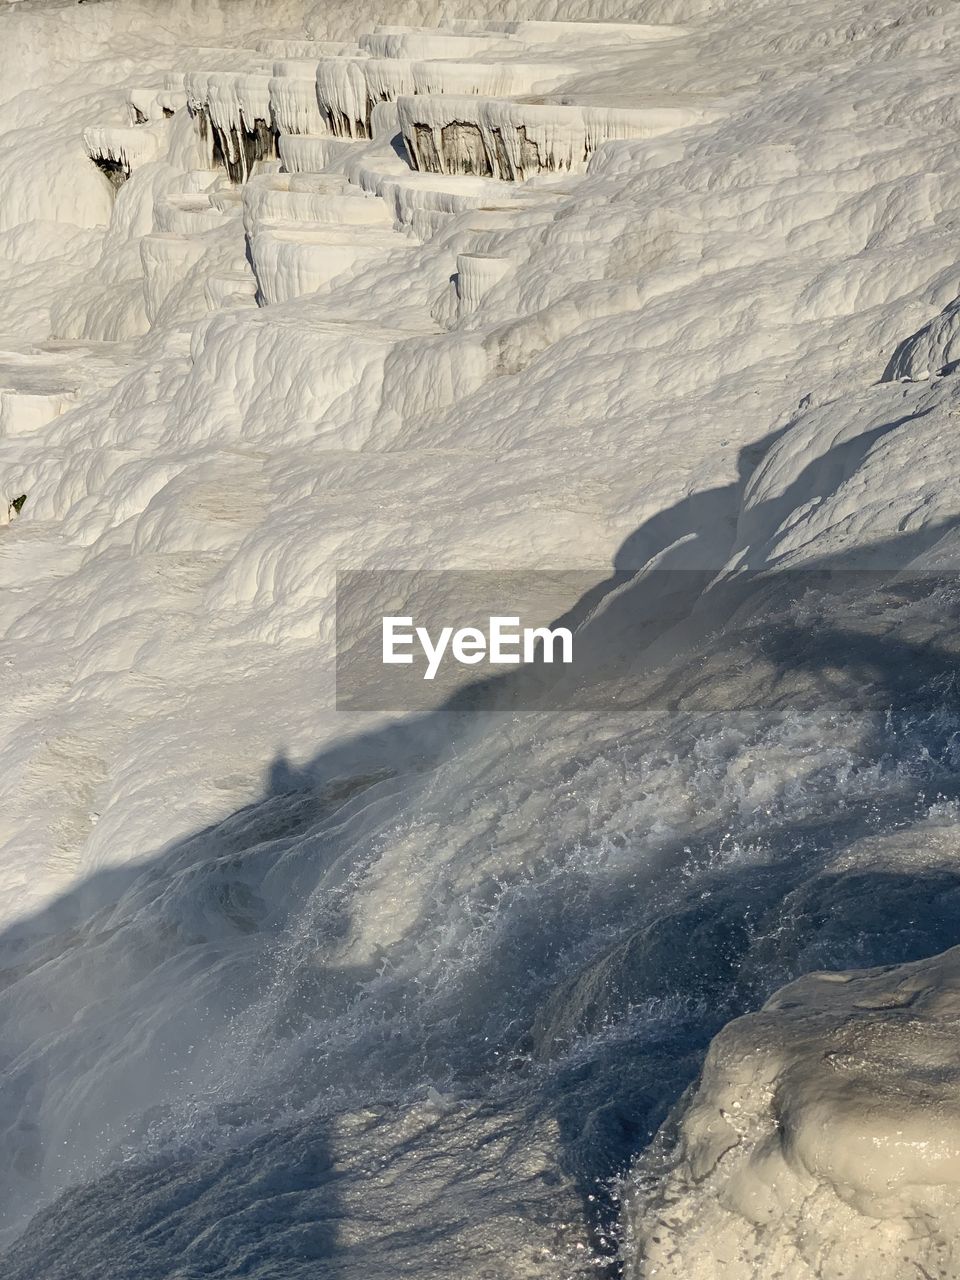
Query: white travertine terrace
308, 101
312, 49
297, 68
118, 149
171, 99
186, 213
228, 199
349, 90
310, 153
230, 289
536, 31
25, 410
484, 227
421, 201
343, 98
204, 61
148, 104
513, 140
488, 79
436, 44
477, 273
238, 101
291, 262
346, 208
293, 103
233, 113
166, 258
425, 201
385, 80
292, 198
285, 196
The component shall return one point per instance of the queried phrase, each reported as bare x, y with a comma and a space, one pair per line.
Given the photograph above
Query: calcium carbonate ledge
514, 139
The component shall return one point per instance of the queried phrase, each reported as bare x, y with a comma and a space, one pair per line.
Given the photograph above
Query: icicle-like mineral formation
117, 149
515, 139
347, 92
293, 99
147, 105
310, 153
349, 89
232, 110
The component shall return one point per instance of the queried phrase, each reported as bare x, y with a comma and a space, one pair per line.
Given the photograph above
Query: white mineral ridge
822, 1138
519, 139
293, 103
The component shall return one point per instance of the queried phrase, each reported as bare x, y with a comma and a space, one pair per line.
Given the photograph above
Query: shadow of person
284, 778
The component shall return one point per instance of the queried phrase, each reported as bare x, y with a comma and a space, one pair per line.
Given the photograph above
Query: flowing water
419, 1022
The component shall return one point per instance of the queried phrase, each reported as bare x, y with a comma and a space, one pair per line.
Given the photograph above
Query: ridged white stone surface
291, 262
515, 140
